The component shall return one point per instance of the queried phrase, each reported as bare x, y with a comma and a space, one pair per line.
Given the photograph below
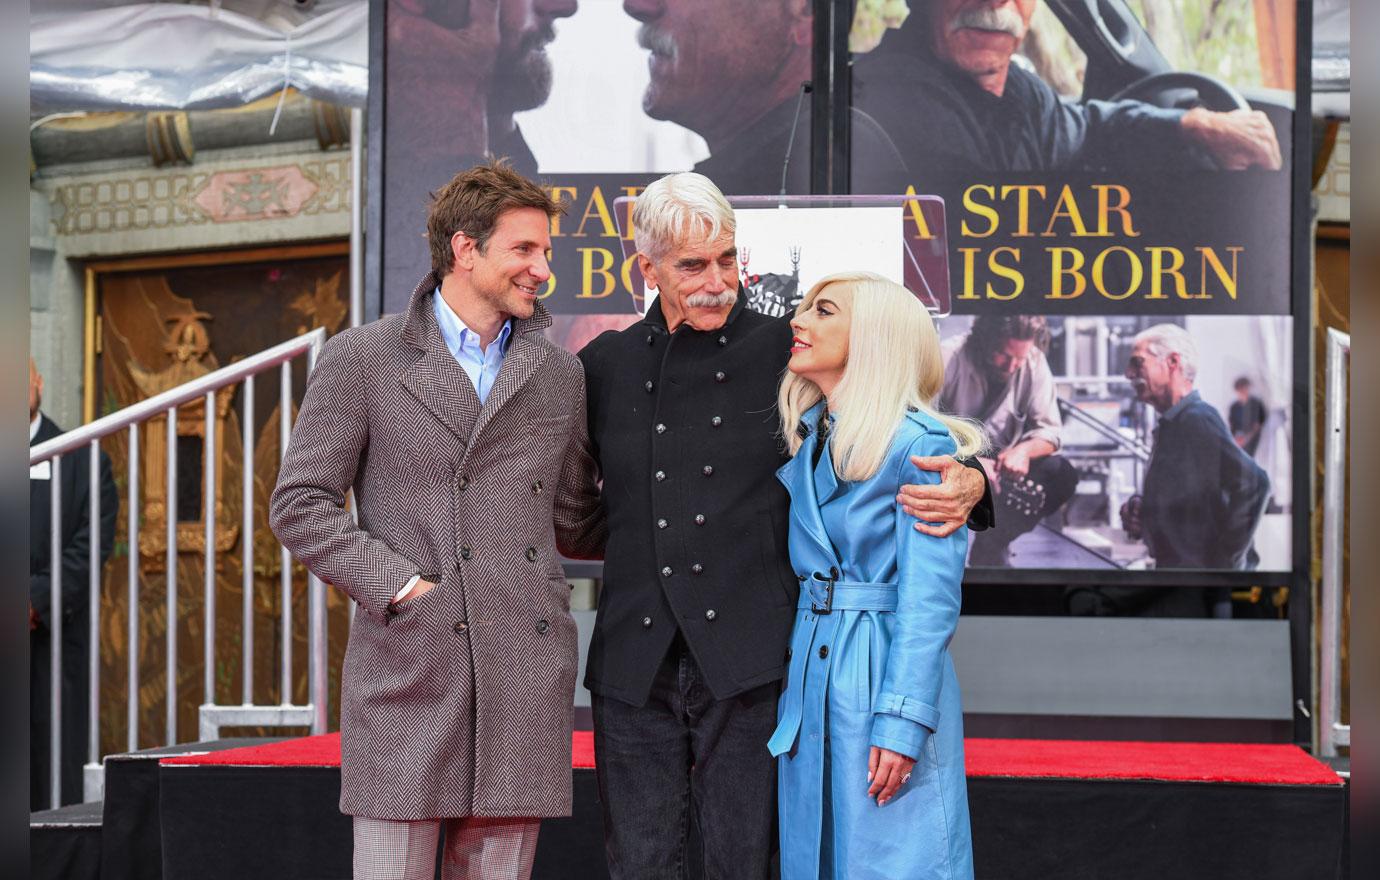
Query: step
65, 844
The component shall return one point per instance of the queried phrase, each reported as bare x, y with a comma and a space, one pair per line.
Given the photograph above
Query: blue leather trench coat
869, 666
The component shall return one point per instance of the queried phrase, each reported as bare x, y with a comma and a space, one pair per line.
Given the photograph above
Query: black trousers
75, 678
685, 751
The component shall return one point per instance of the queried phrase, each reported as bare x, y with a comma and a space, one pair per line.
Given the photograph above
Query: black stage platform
217, 821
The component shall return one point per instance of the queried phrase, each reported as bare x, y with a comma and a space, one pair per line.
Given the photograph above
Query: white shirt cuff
407, 588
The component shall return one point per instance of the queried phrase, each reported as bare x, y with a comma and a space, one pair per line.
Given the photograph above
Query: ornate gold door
158, 323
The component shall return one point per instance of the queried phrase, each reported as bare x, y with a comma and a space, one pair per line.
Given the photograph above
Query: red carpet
1028, 758
324, 751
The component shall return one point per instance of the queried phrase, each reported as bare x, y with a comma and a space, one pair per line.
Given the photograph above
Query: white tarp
152, 56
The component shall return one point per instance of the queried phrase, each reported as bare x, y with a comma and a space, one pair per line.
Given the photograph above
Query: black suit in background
76, 614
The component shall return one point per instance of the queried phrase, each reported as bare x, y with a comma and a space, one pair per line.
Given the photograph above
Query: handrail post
133, 586
170, 561
93, 621
316, 611
1332, 732
55, 631
209, 501
284, 557
247, 538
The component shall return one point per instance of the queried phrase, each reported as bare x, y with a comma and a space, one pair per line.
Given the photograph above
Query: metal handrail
129, 419
1332, 733
160, 403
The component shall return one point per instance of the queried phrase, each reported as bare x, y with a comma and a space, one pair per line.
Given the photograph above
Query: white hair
1163, 339
893, 365
675, 207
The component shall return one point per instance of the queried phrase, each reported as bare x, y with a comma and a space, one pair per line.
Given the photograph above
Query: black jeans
685, 749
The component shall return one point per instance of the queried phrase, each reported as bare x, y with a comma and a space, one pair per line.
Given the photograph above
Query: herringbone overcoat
458, 702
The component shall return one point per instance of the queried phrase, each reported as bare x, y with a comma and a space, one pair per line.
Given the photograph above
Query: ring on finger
906, 778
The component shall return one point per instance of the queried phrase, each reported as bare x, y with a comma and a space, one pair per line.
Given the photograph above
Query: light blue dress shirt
480, 365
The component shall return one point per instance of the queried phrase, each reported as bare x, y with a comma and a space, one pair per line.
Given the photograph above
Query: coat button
649, 339
708, 471
659, 476
666, 571
463, 483
460, 626
661, 524
536, 487
646, 623
661, 429
720, 377
710, 615
697, 569
723, 340
531, 554
649, 386
788, 653
542, 626
716, 421
699, 519
465, 553
823, 651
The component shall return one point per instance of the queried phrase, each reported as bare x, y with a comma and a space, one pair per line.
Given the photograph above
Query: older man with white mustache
731, 71
968, 107
690, 643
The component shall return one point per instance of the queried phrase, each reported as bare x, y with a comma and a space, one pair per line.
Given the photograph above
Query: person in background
997, 374
1246, 417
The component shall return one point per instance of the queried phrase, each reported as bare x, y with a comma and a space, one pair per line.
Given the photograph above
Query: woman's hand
887, 771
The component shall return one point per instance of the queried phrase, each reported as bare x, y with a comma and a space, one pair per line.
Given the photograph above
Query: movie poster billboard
1116, 189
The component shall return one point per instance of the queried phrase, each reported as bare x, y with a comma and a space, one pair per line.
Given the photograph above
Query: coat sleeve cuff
900, 735
906, 707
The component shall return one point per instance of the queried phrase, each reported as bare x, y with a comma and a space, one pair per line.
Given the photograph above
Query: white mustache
659, 42
711, 300
986, 18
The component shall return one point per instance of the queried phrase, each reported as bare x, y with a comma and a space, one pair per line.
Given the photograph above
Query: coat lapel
437, 380
801, 482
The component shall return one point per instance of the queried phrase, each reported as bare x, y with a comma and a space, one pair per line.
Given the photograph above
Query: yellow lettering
1066, 207
1023, 191
558, 193
1228, 279
1105, 208
922, 228
969, 253
1158, 270
588, 270
597, 207
1057, 271
1011, 273
1099, 275
981, 210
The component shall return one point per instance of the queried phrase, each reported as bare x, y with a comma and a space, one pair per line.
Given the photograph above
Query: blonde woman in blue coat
870, 733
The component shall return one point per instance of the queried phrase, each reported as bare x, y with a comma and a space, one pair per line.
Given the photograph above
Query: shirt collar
1184, 402
34, 426
452, 327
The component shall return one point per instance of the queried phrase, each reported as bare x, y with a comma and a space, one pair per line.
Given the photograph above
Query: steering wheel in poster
1210, 93
1158, 89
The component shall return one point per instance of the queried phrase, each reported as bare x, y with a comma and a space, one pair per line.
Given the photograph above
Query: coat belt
821, 597
846, 596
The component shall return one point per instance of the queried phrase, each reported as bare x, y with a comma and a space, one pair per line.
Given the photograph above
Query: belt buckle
828, 607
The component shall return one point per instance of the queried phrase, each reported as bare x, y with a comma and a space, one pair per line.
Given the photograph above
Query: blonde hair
894, 365
677, 205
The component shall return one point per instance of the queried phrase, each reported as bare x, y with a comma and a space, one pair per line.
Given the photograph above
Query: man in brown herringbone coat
462, 432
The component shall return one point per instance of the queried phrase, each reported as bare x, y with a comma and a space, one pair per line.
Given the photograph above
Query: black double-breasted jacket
685, 428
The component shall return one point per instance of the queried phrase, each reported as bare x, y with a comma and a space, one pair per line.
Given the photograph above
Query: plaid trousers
491, 849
